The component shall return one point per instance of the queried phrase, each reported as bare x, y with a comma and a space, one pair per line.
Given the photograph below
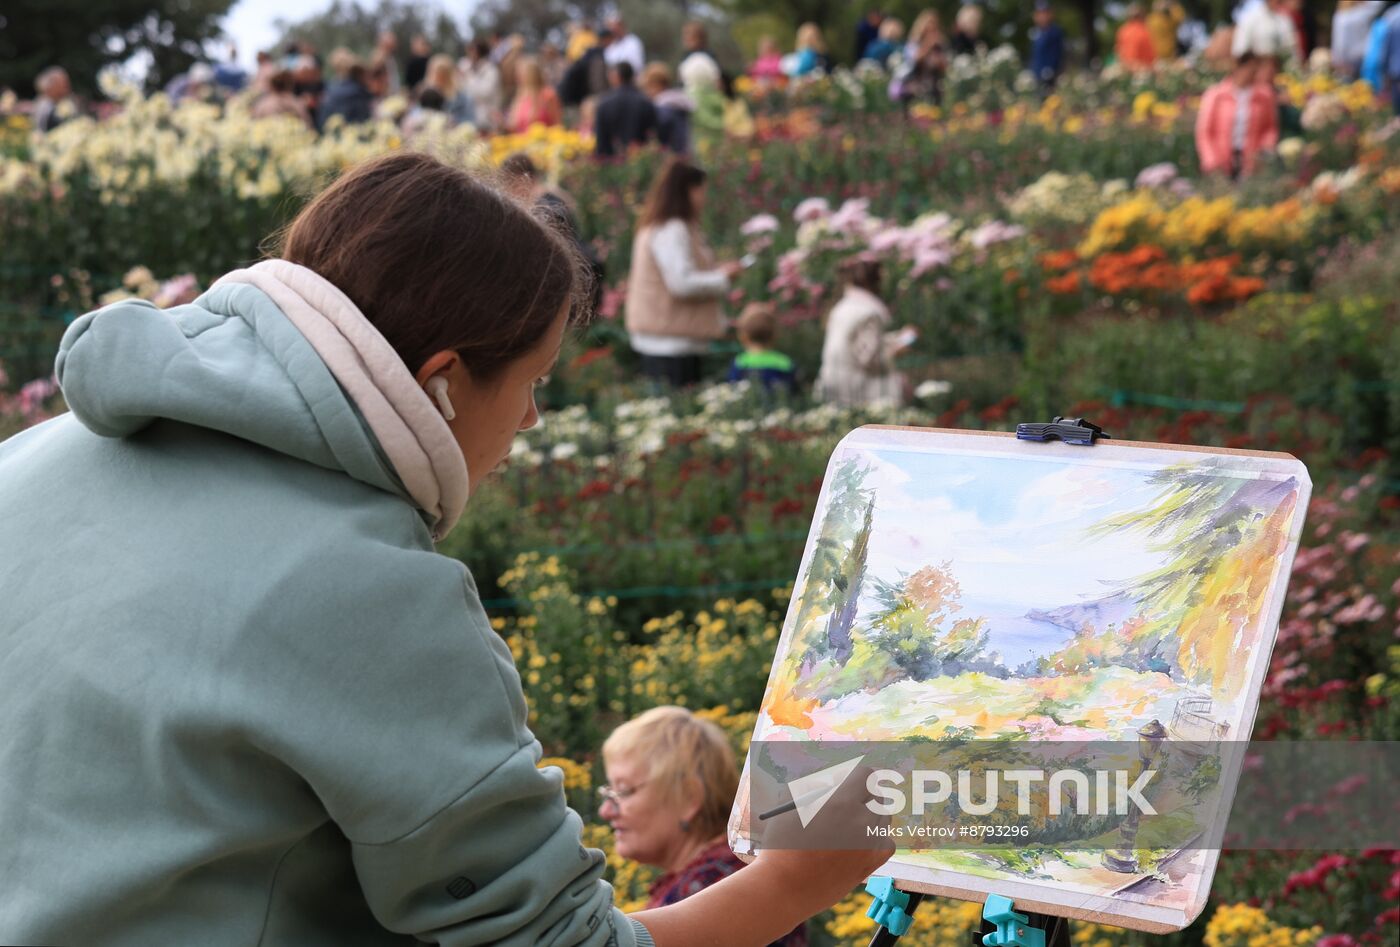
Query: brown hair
694, 35
669, 197
438, 260
519, 165
656, 77
862, 273
757, 323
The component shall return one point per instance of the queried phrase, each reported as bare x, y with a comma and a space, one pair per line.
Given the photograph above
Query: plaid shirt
711, 865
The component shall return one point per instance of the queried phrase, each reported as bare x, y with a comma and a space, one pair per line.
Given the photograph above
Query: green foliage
836, 566
346, 23
916, 631
84, 37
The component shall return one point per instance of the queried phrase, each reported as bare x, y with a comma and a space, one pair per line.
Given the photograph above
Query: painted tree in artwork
837, 567
847, 585
916, 633
830, 587
1225, 534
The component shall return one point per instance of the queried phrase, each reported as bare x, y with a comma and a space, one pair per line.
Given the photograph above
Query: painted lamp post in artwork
1123, 858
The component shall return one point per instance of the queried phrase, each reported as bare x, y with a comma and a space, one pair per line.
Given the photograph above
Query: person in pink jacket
1237, 121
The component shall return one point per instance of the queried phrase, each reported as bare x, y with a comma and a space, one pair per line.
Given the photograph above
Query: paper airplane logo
811, 792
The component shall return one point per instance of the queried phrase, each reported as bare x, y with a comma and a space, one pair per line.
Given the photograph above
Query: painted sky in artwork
1014, 530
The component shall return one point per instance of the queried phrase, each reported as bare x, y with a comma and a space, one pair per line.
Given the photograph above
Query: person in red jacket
1238, 120
1134, 42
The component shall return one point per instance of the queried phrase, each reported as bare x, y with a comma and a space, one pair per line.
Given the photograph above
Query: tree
535, 20
348, 24
85, 37
847, 589
1224, 534
916, 633
824, 589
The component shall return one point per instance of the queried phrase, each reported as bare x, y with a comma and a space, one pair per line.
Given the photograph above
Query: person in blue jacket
1373, 66
1392, 63
244, 699
1047, 46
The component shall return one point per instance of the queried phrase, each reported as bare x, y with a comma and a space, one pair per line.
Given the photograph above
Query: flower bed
1059, 257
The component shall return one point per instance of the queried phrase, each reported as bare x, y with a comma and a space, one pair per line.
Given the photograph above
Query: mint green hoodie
242, 699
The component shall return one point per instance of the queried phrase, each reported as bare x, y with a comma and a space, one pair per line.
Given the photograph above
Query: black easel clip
1069, 430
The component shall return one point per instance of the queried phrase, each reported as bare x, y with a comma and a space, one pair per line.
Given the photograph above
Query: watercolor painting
965, 587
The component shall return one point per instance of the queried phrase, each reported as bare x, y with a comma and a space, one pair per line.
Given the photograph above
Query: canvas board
1120, 583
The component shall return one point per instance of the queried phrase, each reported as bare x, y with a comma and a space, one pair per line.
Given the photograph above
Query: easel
1002, 926
893, 910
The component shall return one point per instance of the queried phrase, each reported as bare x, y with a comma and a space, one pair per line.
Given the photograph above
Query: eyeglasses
617, 796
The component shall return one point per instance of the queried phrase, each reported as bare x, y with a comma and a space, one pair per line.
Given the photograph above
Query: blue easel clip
1012, 929
888, 908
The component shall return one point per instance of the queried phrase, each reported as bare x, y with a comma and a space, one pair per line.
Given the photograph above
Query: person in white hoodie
858, 354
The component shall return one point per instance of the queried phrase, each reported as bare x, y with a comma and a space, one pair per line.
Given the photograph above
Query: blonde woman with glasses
671, 783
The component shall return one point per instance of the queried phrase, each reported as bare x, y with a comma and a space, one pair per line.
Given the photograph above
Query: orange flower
1160, 276
1216, 268
1144, 254
1058, 260
1209, 290
1063, 285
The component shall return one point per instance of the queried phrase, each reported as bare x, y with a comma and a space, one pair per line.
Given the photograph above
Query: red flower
1000, 410
591, 356
787, 508
1315, 876
596, 488
949, 418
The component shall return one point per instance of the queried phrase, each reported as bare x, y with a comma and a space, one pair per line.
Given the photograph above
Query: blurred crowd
598, 78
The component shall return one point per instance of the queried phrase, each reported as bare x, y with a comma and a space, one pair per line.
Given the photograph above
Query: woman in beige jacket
858, 354
675, 287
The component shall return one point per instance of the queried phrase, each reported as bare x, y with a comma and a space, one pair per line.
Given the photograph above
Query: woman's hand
732, 268
788, 883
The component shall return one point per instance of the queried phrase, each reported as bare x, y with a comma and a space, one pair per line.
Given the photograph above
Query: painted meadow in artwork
963, 587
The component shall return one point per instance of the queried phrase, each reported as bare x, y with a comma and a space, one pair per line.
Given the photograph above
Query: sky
250, 22
1014, 529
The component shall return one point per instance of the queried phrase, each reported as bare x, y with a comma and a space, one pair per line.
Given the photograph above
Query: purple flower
760, 223
1158, 175
994, 231
929, 258
813, 208
177, 291
33, 396
853, 217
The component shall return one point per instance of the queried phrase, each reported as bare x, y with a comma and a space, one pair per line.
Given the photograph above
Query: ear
694, 800
438, 363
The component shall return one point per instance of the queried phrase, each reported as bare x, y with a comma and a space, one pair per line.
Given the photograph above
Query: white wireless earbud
437, 386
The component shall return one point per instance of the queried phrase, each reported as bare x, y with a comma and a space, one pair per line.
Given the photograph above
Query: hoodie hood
278, 356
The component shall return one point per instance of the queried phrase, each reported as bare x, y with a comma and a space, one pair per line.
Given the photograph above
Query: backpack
586, 76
